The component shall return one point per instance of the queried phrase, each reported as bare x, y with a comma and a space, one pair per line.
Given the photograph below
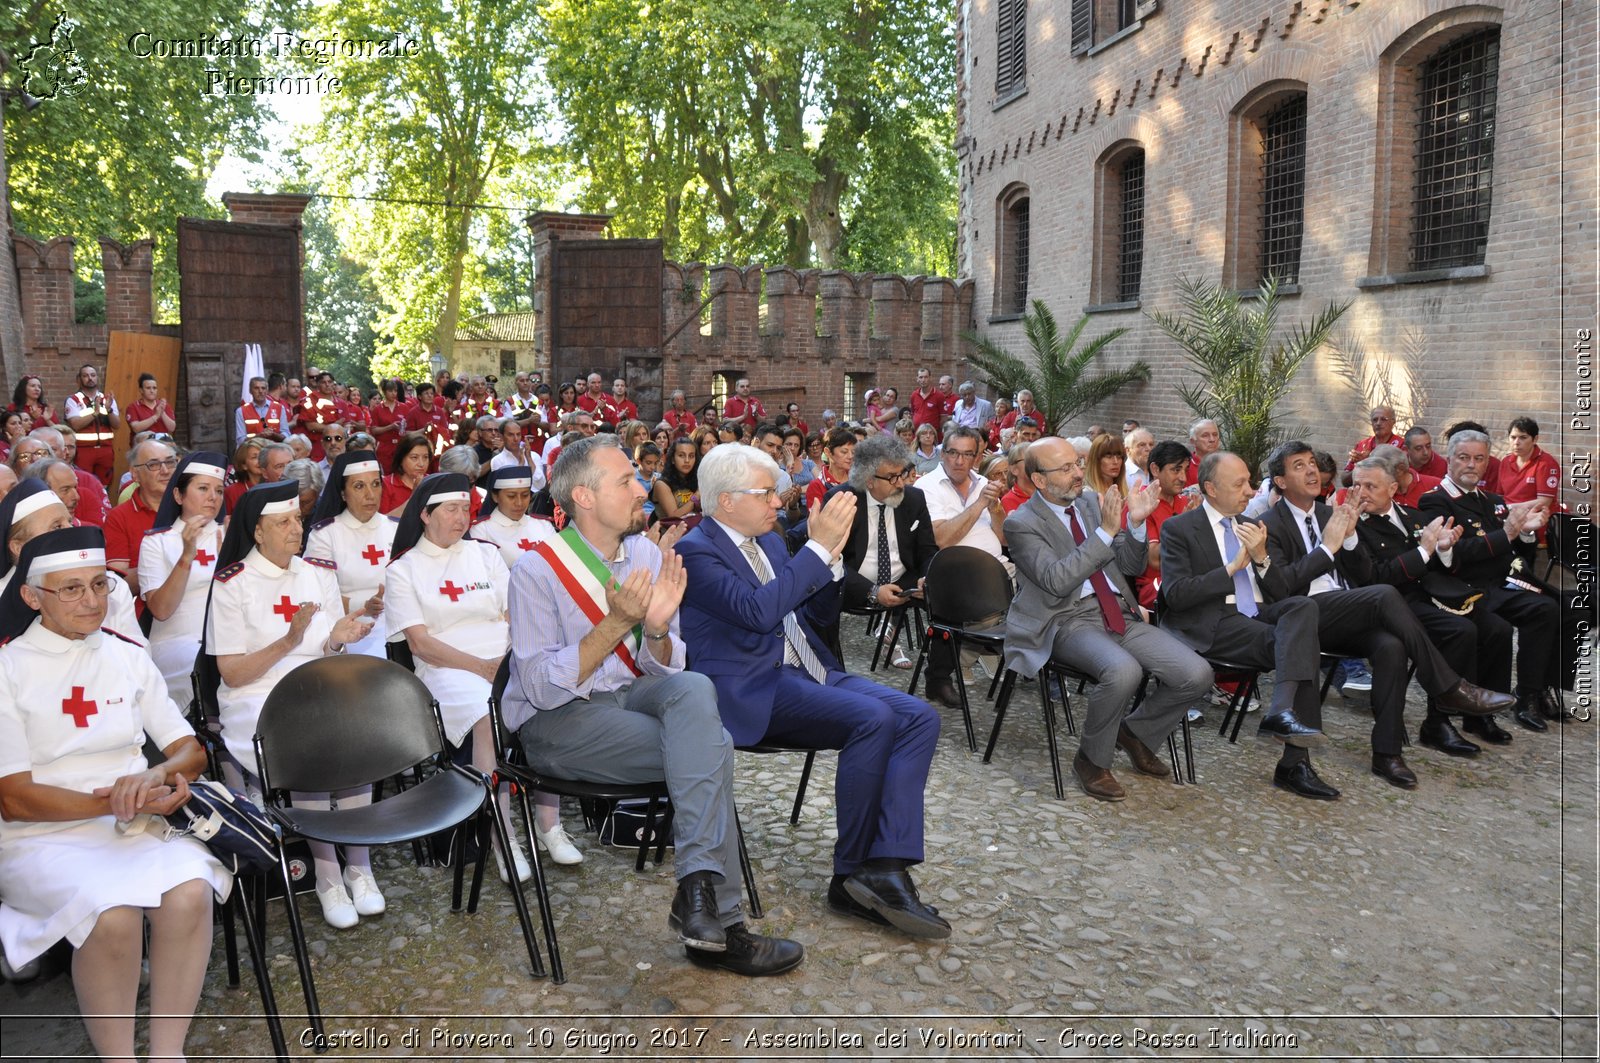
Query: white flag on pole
253, 367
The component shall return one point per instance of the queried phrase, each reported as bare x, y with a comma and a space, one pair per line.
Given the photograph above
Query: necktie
1110, 611
1311, 530
798, 650
1244, 595
883, 545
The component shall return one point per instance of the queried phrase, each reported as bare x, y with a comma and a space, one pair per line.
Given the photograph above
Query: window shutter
1011, 68
1082, 26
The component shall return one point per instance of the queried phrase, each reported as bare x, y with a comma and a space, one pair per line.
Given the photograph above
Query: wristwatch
1262, 565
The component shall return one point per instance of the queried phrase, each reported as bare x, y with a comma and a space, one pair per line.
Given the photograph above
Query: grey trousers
1117, 663
660, 727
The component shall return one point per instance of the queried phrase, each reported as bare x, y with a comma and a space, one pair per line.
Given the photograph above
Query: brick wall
795, 333
1489, 348
54, 345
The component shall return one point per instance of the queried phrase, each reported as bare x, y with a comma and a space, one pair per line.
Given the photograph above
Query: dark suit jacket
1051, 570
1483, 556
1394, 555
1292, 569
913, 530
732, 624
1194, 578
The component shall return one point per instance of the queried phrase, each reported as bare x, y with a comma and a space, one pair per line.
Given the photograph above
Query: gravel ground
1221, 920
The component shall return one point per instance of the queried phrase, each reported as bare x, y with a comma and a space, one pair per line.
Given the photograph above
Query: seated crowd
668, 596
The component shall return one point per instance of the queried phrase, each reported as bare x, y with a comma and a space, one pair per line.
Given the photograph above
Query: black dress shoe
1527, 715
1285, 728
1437, 732
751, 955
893, 895
694, 915
1470, 700
1550, 707
1139, 753
1488, 729
841, 903
1300, 779
943, 692
1393, 770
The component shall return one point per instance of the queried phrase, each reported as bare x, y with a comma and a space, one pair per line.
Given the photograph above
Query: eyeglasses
767, 493
1080, 465
898, 478
333, 439
74, 592
163, 464
961, 455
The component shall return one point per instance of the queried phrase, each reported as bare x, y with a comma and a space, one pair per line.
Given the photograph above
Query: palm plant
1244, 373
1056, 371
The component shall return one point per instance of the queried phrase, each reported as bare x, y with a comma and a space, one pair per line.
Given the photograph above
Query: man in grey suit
1074, 605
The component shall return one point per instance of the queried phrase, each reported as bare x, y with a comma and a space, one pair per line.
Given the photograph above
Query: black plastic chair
341, 722
967, 590
249, 910
512, 766
1571, 542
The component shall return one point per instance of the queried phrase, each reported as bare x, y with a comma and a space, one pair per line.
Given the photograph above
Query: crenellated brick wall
797, 334
54, 344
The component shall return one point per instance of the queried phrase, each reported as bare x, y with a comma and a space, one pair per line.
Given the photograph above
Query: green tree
417, 144
126, 148
342, 303
763, 129
1055, 369
1244, 371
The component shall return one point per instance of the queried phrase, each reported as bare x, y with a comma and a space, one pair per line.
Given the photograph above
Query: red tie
1102, 586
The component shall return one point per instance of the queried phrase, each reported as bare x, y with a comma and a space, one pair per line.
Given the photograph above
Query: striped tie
798, 650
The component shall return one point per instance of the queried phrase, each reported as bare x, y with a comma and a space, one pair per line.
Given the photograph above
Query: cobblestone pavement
1221, 920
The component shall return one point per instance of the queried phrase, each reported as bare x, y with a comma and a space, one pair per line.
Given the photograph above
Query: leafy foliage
757, 130
417, 145
342, 303
1244, 372
1056, 368
129, 148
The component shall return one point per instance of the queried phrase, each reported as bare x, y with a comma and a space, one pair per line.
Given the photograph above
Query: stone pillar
548, 227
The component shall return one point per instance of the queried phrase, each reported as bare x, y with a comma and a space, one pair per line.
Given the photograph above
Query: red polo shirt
1541, 477
1148, 582
125, 527
929, 409
682, 423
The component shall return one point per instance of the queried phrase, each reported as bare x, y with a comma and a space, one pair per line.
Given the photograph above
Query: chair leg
1327, 682
1188, 749
458, 859
752, 896
258, 965
1066, 703
230, 947
916, 669
302, 956
664, 832
1000, 705
541, 888
994, 681
491, 811
1050, 729
644, 837
1172, 751
966, 708
800, 793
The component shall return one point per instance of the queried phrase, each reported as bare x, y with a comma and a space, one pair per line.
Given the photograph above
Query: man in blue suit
749, 618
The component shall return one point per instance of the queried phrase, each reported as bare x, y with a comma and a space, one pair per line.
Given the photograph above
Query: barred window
1011, 60
1283, 189
855, 386
1455, 153
1130, 231
1011, 252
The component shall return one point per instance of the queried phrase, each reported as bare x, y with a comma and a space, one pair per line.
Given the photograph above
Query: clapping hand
830, 521
1253, 537
1111, 508
192, 527
374, 605
629, 600
351, 628
299, 622
667, 593
1142, 503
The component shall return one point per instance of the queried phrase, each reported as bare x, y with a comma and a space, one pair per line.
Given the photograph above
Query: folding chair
249, 910
512, 766
968, 593
340, 722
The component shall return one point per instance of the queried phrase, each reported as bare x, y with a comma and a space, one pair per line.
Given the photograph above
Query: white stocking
180, 948
105, 975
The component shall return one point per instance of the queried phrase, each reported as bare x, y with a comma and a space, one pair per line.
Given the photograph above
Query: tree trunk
822, 214
445, 335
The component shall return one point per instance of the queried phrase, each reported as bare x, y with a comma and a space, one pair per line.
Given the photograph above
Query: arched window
1011, 251
1267, 184
1454, 162
1119, 225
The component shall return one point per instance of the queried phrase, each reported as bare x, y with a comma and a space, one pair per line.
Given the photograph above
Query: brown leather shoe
1139, 753
942, 692
1393, 770
1097, 782
1470, 700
